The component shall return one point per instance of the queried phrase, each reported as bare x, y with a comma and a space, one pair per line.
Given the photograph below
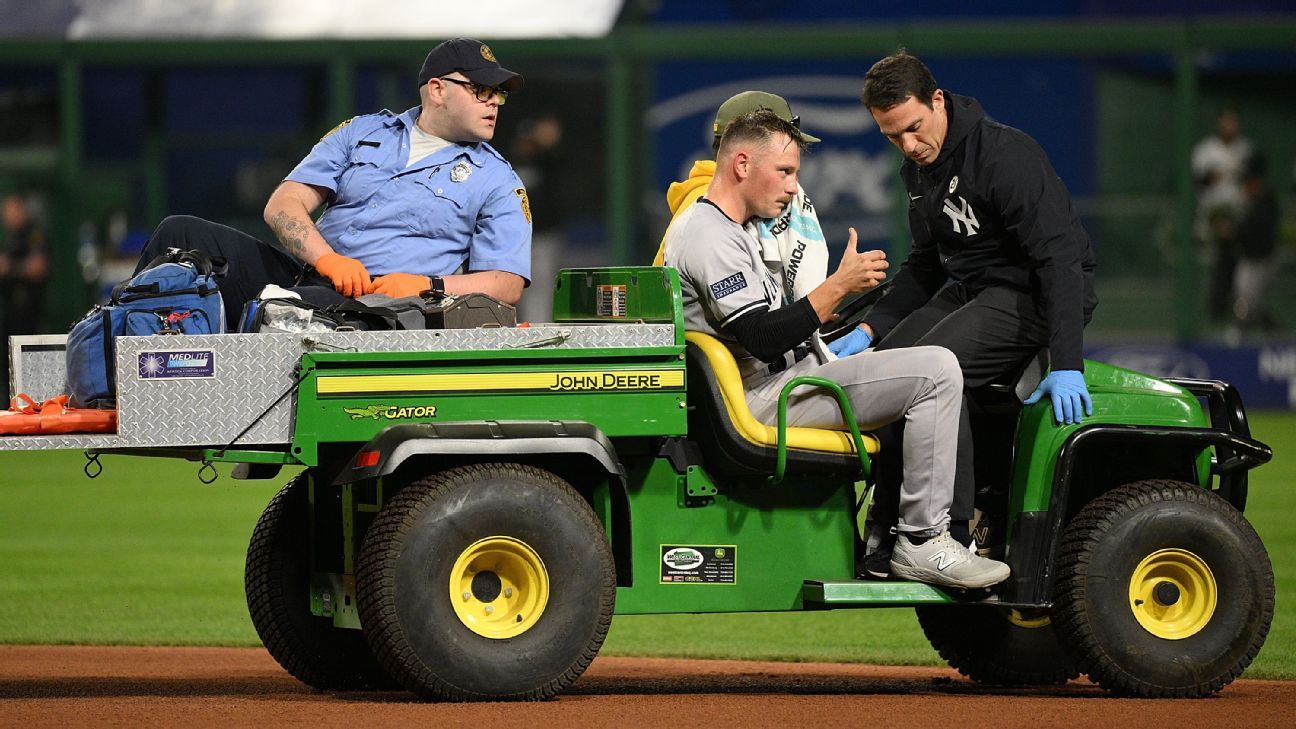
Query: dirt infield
235, 687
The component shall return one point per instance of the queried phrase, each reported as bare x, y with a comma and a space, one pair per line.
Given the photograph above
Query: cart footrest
872, 592
893, 593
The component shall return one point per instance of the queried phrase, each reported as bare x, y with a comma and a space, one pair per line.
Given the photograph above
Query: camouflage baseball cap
749, 101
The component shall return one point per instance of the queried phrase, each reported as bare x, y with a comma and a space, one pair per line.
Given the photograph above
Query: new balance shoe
942, 561
875, 564
988, 535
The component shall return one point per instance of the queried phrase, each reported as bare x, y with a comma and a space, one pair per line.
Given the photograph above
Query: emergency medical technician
734, 293
416, 201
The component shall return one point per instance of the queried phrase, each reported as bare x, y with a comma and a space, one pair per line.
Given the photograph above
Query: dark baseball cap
473, 59
749, 101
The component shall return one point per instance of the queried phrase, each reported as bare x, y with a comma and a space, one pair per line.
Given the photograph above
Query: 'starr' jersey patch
726, 286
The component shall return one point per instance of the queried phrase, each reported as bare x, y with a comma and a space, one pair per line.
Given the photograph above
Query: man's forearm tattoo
291, 232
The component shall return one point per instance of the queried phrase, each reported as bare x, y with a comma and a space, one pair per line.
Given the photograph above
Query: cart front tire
486, 582
1164, 590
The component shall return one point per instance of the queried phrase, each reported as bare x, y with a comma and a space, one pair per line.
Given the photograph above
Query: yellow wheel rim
1173, 594
499, 587
1024, 620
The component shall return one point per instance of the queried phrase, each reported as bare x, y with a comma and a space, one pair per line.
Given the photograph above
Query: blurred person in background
415, 201
1256, 233
24, 267
1217, 163
555, 187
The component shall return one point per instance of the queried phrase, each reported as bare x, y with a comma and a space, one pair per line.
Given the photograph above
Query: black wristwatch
437, 285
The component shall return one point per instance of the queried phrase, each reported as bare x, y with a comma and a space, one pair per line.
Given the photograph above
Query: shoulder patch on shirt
526, 203
726, 286
334, 129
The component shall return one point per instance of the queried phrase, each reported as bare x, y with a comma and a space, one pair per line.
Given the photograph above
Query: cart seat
734, 441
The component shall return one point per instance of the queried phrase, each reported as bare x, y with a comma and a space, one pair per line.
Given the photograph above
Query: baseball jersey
462, 204
1224, 161
723, 277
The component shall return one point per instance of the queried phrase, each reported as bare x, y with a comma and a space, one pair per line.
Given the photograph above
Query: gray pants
1251, 280
921, 385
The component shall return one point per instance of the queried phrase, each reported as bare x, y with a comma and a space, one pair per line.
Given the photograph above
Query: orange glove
348, 275
397, 285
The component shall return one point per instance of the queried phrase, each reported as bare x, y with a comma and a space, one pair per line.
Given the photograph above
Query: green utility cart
477, 504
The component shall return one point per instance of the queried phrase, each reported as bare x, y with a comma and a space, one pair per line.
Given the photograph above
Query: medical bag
175, 294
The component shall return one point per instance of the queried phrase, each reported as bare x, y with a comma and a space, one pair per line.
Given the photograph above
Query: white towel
796, 240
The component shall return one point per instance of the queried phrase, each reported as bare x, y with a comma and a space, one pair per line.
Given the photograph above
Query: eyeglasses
482, 93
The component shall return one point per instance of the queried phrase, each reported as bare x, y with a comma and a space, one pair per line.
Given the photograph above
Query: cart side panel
181, 391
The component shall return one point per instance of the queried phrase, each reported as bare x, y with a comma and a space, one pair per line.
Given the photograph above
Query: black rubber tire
404, 570
987, 647
277, 585
1102, 547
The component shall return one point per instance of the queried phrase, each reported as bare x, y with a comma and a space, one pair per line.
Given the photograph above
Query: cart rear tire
997, 646
1164, 590
277, 584
486, 582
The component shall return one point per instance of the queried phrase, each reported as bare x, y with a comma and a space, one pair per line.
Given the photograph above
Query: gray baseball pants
921, 385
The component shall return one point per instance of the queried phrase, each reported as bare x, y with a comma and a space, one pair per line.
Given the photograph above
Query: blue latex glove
857, 341
1068, 391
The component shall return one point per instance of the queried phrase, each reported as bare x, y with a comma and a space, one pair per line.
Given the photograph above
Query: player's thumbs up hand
861, 271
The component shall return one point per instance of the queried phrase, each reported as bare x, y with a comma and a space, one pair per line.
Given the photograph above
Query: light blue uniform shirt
460, 204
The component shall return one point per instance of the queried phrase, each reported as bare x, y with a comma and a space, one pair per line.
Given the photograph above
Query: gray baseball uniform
725, 280
723, 277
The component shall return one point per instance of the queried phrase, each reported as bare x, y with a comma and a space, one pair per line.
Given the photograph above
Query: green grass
880, 636
146, 555
1271, 503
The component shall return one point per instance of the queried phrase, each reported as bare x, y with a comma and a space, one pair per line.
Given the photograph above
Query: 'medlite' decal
193, 364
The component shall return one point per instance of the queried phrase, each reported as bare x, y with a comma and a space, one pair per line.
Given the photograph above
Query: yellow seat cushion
731, 390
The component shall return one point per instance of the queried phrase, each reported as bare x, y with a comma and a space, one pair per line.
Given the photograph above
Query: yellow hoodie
684, 193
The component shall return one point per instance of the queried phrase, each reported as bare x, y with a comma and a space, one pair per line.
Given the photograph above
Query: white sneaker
942, 561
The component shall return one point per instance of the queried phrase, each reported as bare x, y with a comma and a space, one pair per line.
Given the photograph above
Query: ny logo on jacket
978, 211
962, 215
990, 211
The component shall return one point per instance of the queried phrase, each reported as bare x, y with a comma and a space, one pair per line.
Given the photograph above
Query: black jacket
1257, 229
990, 211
